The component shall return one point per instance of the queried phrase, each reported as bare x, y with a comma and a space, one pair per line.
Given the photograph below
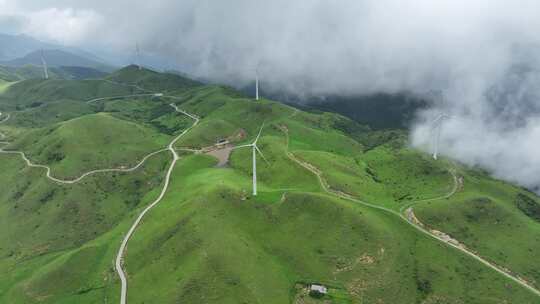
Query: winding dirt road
325, 186
170, 148
48, 170
2, 120
78, 179
122, 250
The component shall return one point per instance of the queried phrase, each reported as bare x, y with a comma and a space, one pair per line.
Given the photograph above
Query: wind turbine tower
436, 127
44, 65
138, 56
257, 83
254, 150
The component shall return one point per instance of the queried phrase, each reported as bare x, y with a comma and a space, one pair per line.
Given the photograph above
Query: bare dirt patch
222, 155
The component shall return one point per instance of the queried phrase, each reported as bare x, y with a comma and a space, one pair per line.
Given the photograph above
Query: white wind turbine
44, 65
138, 56
436, 127
254, 150
257, 83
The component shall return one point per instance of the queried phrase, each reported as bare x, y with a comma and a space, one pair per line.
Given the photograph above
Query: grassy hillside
225, 115
152, 80
36, 72
44, 115
499, 221
89, 143
210, 240
32, 93
25, 72
211, 245
56, 58
50, 249
4, 85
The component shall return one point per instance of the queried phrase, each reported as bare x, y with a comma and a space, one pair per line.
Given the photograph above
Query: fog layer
483, 55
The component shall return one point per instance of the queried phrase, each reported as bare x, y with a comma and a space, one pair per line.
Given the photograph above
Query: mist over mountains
499, 130
12, 47
56, 58
482, 55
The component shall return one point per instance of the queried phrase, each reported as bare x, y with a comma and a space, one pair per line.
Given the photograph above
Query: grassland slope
209, 240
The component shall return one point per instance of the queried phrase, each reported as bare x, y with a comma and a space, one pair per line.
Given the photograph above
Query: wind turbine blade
437, 120
243, 146
258, 135
262, 155
138, 56
44, 65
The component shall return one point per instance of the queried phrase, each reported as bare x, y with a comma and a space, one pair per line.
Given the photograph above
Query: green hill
37, 92
4, 85
328, 208
499, 221
89, 143
36, 72
27, 72
152, 80
209, 245
56, 58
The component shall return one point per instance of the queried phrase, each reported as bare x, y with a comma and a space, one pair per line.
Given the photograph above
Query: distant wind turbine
138, 56
254, 150
44, 65
436, 127
257, 83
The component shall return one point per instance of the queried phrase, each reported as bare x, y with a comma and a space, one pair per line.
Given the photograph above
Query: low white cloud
484, 54
510, 154
68, 26
7, 7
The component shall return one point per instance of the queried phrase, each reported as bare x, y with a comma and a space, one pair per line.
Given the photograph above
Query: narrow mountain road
122, 250
78, 179
325, 186
455, 188
170, 148
120, 97
3, 120
48, 170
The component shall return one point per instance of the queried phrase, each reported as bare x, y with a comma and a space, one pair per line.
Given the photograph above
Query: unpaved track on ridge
311, 168
78, 179
122, 250
92, 172
170, 147
326, 187
2, 120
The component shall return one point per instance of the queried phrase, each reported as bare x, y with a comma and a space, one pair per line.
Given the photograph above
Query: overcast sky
484, 54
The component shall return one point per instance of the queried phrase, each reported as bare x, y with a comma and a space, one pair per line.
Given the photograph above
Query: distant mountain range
16, 46
57, 58
20, 58
20, 50
33, 72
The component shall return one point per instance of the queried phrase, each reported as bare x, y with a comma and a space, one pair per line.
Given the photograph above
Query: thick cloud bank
483, 54
495, 126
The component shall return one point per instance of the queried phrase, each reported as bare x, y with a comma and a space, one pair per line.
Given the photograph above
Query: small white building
315, 288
